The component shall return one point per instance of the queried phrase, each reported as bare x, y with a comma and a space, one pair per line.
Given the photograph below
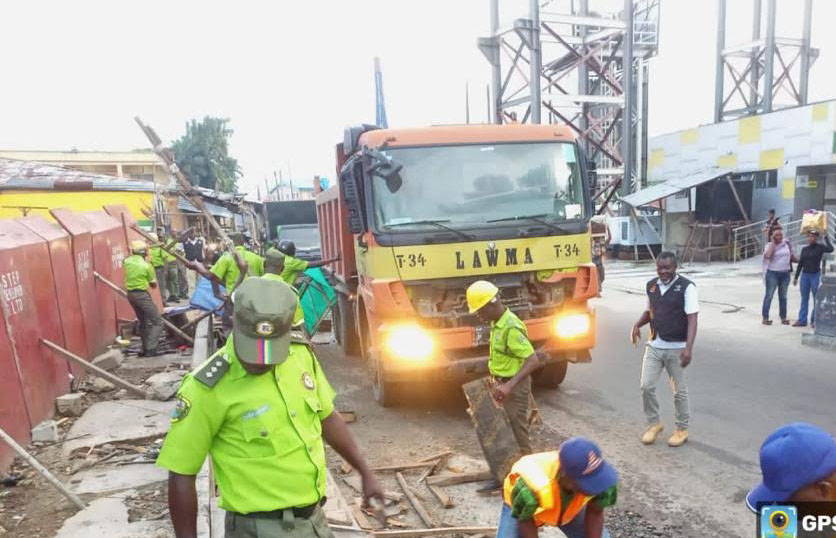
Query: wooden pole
413, 500
638, 230
43, 471
123, 293
737, 199
95, 369
188, 190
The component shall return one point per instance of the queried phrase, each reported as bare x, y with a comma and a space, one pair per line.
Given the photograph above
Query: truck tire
344, 329
385, 391
551, 375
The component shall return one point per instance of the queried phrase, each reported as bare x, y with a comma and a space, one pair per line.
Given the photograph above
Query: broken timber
413, 499
96, 370
492, 428
454, 479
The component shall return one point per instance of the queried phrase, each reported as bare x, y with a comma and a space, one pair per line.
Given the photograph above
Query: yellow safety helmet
479, 294
138, 245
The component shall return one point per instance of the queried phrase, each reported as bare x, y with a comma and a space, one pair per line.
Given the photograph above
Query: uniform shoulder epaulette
298, 337
213, 369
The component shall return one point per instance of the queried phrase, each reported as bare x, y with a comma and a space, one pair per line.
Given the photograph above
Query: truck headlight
409, 342
569, 326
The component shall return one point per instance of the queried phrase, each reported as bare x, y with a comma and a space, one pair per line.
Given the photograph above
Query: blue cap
793, 456
580, 460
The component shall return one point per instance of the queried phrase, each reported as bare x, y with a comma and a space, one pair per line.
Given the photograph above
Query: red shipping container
14, 418
99, 330
66, 289
123, 215
30, 312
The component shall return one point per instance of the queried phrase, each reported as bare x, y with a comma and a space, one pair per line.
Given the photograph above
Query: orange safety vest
539, 471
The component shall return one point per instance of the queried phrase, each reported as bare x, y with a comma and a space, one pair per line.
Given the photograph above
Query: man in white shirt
672, 309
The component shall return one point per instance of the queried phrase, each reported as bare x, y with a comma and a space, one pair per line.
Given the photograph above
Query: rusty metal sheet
14, 418
109, 251
66, 289
98, 333
30, 312
123, 215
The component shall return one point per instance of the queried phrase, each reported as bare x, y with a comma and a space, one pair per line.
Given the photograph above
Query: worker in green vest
158, 261
261, 407
293, 266
273, 267
512, 361
139, 277
225, 272
171, 276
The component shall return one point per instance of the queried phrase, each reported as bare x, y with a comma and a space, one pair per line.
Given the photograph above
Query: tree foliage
203, 154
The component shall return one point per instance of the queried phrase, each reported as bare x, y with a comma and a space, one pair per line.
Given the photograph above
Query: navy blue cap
580, 460
793, 456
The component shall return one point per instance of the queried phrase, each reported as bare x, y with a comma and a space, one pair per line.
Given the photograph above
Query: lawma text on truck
420, 214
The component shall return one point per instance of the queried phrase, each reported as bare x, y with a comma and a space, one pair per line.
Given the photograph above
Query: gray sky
292, 74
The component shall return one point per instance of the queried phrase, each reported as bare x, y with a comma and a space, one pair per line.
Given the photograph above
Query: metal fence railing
750, 240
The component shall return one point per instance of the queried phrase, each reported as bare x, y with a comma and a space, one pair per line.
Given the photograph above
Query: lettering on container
82, 265
116, 256
12, 292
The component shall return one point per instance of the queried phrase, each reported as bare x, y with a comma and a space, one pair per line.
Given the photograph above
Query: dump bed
332, 216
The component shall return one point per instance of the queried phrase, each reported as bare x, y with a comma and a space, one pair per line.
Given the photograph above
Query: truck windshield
473, 185
305, 237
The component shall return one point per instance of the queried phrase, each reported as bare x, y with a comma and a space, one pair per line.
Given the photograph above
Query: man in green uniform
273, 267
512, 360
261, 407
139, 276
158, 261
293, 265
226, 272
172, 277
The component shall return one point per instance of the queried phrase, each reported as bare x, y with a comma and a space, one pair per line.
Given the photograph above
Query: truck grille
442, 304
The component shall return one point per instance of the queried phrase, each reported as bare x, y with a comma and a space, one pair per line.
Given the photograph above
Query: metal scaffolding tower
567, 61
766, 73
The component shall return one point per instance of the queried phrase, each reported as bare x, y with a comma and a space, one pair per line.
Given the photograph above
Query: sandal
767, 322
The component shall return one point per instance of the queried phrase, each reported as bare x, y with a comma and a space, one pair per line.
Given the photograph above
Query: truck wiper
438, 224
534, 218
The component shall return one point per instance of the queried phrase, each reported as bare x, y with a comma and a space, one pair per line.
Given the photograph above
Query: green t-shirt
158, 256
524, 501
264, 432
299, 315
138, 273
510, 346
292, 268
227, 270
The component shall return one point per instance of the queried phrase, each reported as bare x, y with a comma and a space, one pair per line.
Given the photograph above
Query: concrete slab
142, 363
108, 516
122, 420
116, 478
818, 340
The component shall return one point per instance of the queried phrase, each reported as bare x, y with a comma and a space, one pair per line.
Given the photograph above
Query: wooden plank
453, 479
403, 466
737, 199
493, 428
434, 457
422, 512
442, 496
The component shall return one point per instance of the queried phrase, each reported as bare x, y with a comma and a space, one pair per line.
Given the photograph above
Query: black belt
302, 512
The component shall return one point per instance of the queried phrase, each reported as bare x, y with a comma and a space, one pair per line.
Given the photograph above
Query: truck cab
420, 214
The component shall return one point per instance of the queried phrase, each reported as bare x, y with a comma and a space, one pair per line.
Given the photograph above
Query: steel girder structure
565, 64
764, 70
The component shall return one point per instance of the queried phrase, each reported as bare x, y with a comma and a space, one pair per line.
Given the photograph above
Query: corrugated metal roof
673, 186
34, 175
217, 211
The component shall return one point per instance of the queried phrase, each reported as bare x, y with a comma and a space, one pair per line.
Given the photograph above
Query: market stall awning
216, 210
673, 186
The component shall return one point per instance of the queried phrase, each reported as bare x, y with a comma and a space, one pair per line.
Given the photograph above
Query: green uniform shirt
138, 273
158, 256
292, 268
510, 346
227, 270
299, 315
264, 432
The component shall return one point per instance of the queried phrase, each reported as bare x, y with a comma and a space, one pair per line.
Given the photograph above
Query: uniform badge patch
308, 381
265, 328
181, 410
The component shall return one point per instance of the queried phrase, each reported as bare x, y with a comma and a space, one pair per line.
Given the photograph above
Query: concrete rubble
115, 478
164, 385
70, 405
122, 420
110, 360
45, 432
100, 385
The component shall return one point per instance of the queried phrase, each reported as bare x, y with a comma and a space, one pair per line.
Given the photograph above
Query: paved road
745, 380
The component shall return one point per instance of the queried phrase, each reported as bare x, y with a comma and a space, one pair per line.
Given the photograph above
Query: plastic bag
813, 220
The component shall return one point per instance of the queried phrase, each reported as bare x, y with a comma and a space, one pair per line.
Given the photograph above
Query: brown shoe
799, 324
651, 433
678, 438
767, 321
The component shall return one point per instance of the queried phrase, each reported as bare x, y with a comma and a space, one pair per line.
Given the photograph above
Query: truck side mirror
352, 193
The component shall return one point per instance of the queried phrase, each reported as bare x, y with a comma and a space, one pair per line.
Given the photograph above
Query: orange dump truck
417, 215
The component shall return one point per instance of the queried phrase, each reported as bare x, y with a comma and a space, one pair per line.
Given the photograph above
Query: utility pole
535, 61
627, 151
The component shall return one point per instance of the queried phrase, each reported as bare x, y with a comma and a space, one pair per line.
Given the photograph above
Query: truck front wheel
385, 391
551, 375
344, 328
